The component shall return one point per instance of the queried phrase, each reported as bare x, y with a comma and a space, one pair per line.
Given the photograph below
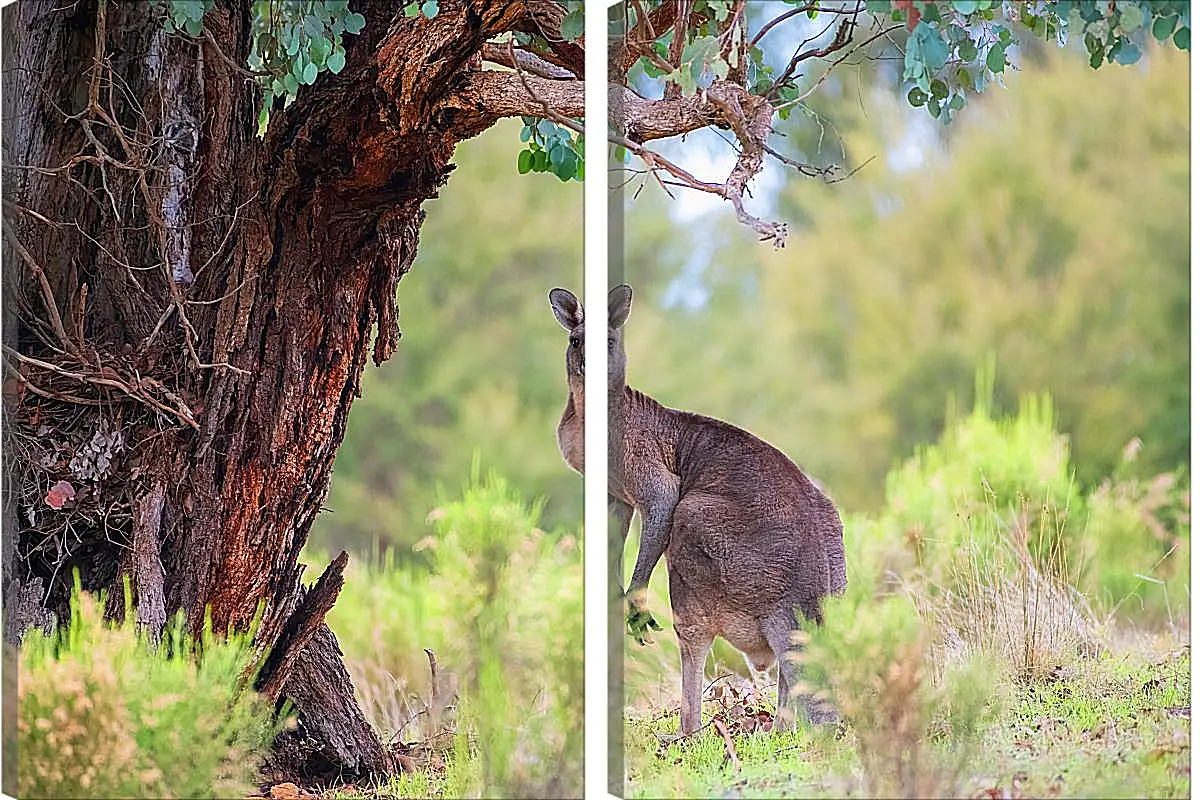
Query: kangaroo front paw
639, 621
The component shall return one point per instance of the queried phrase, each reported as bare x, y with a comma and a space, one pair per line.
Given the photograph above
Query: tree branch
485, 96
529, 62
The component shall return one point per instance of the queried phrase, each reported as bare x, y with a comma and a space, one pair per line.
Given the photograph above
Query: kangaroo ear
566, 308
619, 299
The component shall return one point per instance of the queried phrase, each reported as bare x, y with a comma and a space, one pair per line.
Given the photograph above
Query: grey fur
749, 539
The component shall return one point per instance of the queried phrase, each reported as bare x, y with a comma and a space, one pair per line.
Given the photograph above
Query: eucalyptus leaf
1126, 53
336, 61
572, 25
995, 58
1163, 27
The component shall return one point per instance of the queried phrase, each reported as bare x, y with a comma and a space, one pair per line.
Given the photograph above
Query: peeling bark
217, 298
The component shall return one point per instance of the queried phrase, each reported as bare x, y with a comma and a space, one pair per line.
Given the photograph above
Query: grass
499, 605
1117, 727
1004, 634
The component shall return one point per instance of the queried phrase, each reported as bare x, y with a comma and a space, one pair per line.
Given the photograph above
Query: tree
191, 306
677, 67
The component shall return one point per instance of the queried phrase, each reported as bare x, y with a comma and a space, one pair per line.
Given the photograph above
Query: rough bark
212, 298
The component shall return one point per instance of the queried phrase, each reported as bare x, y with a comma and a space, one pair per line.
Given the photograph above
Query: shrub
513, 600
915, 735
103, 713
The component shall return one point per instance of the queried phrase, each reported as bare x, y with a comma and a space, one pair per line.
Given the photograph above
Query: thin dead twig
730, 752
47, 292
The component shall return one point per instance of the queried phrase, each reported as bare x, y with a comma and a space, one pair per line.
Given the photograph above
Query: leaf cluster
959, 47
550, 148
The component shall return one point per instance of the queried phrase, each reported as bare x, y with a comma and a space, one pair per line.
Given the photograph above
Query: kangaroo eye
575, 342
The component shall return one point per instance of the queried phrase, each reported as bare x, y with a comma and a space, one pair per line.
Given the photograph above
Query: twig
47, 292
827, 72
523, 59
843, 37
781, 18
112, 379
729, 751
551, 114
49, 394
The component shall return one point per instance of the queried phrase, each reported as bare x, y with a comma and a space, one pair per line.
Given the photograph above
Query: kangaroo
569, 313
748, 538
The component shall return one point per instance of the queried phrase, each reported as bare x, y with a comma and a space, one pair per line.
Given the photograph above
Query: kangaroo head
619, 300
569, 313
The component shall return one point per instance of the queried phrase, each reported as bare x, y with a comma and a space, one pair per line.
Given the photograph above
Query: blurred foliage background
480, 363
1048, 226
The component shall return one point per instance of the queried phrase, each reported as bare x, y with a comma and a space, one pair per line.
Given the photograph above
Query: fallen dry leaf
285, 791
59, 494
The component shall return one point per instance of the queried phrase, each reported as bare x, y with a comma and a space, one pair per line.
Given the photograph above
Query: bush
103, 713
500, 604
915, 735
514, 634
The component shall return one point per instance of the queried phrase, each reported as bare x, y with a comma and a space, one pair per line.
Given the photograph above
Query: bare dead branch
137, 390
526, 61
47, 293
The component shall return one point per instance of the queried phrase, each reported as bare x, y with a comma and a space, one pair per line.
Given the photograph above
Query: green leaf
916, 97
965, 6
336, 61
1126, 53
957, 102
939, 89
526, 133
572, 25
194, 27
290, 84
720, 68
879, 6
318, 50
355, 22
565, 169
967, 50
1163, 27
313, 26
310, 73
1132, 19
540, 161
1183, 38
926, 47
995, 58
429, 8
524, 161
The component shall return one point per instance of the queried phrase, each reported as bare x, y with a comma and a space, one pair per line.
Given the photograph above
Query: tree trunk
190, 309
